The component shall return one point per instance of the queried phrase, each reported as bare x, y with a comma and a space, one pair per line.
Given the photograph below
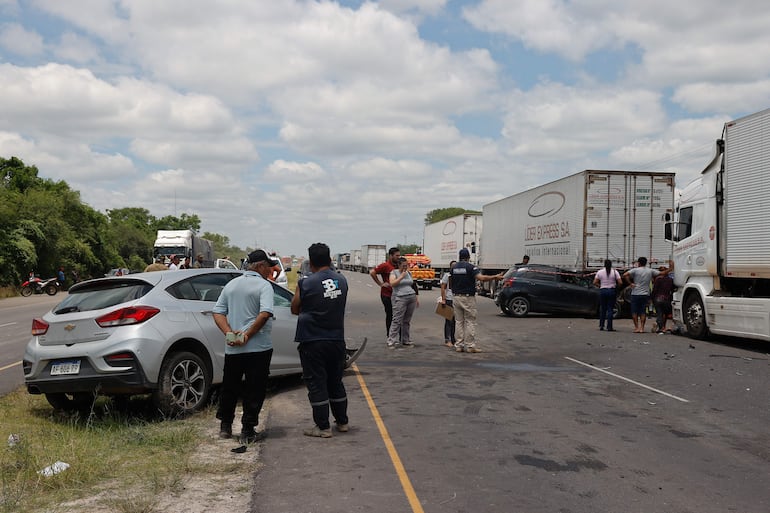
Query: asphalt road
16, 316
553, 416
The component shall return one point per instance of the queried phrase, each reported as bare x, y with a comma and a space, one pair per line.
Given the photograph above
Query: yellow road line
10, 365
402, 476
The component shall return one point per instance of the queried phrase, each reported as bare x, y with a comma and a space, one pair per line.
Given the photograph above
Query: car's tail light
123, 359
509, 282
39, 327
127, 316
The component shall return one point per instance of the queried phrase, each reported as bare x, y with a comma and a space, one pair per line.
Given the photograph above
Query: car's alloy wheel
519, 306
184, 384
79, 401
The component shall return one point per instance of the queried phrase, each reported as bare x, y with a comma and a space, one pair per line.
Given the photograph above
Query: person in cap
158, 265
320, 303
464, 277
244, 313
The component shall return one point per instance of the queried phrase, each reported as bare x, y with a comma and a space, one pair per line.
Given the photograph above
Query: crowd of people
244, 314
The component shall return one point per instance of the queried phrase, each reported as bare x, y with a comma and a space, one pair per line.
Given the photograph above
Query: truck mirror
667, 231
667, 217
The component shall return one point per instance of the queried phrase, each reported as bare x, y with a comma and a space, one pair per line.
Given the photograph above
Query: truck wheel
26, 291
695, 317
519, 306
184, 384
80, 401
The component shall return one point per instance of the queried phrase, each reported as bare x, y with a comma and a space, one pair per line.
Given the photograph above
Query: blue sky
282, 122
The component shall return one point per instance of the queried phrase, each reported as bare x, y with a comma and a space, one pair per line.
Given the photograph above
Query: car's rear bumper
121, 381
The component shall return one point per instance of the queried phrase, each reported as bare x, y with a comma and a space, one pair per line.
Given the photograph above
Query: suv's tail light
39, 327
509, 282
127, 316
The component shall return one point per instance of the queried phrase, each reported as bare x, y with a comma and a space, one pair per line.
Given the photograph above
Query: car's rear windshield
102, 294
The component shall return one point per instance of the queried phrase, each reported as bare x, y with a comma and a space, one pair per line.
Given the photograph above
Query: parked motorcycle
37, 286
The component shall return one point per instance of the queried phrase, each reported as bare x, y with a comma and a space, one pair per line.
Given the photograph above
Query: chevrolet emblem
69, 327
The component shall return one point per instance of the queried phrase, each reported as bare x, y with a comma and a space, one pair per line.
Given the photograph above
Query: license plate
62, 368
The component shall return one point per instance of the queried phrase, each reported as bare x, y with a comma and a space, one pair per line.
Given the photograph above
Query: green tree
408, 249
439, 214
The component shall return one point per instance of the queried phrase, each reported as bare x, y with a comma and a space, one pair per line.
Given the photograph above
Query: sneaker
449, 344
225, 430
459, 349
407, 344
472, 350
318, 432
391, 346
251, 437
343, 428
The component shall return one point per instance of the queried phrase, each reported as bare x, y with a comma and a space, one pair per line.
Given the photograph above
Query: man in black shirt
464, 276
320, 303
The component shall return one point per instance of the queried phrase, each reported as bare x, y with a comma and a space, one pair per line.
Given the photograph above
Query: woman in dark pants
609, 281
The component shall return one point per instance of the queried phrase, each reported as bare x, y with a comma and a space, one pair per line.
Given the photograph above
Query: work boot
225, 430
318, 432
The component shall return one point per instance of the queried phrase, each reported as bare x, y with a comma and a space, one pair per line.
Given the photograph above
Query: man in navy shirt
320, 303
464, 277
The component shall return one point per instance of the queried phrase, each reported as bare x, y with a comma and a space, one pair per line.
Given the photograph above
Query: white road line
627, 379
8, 324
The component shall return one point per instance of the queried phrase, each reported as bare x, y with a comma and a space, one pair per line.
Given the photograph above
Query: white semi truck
579, 221
184, 243
443, 240
721, 237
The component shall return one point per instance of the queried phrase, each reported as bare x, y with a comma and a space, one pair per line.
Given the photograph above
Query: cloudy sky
285, 122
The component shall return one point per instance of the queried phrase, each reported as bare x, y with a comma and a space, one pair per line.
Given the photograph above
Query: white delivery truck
355, 259
443, 240
721, 238
578, 221
372, 255
184, 243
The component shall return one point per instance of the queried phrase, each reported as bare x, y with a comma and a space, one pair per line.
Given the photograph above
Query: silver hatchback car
145, 333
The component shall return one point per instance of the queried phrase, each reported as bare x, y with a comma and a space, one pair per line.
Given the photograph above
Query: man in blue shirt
320, 303
464, 276
244, 313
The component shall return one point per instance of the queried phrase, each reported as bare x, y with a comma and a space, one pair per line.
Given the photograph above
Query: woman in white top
609, 281
404, 302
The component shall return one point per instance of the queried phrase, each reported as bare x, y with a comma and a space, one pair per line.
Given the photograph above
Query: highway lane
16, 316
553, 416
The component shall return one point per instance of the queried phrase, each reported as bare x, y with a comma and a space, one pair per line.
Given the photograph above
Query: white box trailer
578, 221
443, 240
355, 259
372, 255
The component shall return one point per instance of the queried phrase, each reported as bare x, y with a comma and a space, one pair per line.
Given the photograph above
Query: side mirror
667, 231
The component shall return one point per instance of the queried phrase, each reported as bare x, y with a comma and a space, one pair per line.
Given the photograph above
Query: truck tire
184, 384
694, 316
518, 306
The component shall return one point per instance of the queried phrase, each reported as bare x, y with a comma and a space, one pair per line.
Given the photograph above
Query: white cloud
556, 122
16, 39
724, 97
294, 172
432, 7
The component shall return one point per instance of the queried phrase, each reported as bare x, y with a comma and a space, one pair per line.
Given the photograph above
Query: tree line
45, 225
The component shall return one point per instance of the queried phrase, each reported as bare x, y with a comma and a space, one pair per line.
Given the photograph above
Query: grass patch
137, 448
8, 292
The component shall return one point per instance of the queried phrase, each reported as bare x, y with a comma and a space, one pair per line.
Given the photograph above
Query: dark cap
465, 254
260, 256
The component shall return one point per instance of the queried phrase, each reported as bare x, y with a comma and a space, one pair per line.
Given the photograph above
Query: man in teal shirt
244, 313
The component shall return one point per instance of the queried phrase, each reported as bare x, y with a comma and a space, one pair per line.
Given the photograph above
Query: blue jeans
606, 306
